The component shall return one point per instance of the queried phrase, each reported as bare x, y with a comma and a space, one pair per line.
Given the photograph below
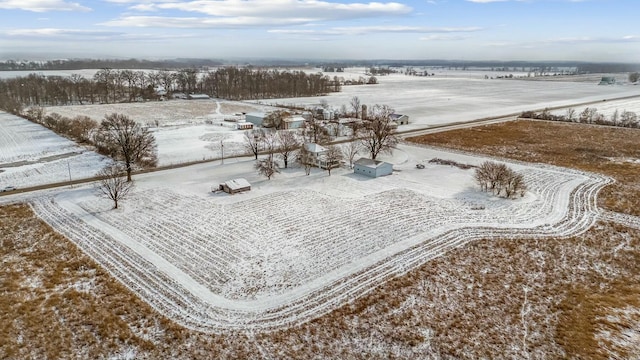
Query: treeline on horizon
78, 64
115, 86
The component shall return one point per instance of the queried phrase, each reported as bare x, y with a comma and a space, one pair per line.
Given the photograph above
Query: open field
419, 264
613, 152
468, 303
455, 96
33, 155
561, 297
299, 246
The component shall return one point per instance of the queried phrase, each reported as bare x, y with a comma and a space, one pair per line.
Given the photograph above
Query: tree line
78, 64
589, 115
115, 86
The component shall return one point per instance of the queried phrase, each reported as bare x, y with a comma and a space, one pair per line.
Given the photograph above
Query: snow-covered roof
396, 116
236, 184
369, 162
314, 148
296, 118
198, 96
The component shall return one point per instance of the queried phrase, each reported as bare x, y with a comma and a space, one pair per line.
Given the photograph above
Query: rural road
403, 134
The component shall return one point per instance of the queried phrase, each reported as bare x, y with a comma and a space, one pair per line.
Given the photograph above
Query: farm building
235, 186
244, 125
255, 118
293, 122
607, 80
372, 168
400, 119
317, 155
198, 97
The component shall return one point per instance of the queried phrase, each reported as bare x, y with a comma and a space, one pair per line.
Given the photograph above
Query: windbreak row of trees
244, 83
116, 136
114, 86
588, 116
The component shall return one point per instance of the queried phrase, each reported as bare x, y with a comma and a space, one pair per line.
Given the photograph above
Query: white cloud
42, 5
360, 30
232, 13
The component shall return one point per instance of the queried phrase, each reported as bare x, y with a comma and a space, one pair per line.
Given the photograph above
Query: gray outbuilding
255, 118
372, 168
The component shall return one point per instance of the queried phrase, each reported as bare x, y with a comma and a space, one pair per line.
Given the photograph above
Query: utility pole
222, 151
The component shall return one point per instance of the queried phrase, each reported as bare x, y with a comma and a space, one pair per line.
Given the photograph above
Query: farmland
419, 264
285, 269
33, 155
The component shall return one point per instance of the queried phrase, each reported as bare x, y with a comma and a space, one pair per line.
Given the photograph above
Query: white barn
372, 168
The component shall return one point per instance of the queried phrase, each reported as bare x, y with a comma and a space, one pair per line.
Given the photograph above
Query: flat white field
463, 96
31, 154
185, 130
193, 130
608, 108
298, 246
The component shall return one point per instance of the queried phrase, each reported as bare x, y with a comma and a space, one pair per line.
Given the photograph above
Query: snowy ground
607, 108
452, 96
298, 246
185, 130
192, 130
33, 155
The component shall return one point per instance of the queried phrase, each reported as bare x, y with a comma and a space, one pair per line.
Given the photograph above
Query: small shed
235, 186
372, 168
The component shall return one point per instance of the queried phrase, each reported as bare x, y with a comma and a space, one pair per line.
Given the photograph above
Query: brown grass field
576, 298
602, 149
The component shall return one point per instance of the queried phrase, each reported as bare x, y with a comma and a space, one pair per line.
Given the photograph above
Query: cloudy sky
587, 30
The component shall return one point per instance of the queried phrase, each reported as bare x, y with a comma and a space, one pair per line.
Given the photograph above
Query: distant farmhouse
372, 168
400, 119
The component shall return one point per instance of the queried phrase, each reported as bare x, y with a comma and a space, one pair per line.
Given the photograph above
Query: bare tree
305, 158
252, 141
313, 131
128, 141
275, 119
289, 145
498, 178
333, 157
355, 105
350, 150
378, 134
267, 167
113, 184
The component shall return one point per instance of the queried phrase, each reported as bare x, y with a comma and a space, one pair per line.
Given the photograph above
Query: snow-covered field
299, 246
184, 130
453, 96
191, 130
32, 155
607, 108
